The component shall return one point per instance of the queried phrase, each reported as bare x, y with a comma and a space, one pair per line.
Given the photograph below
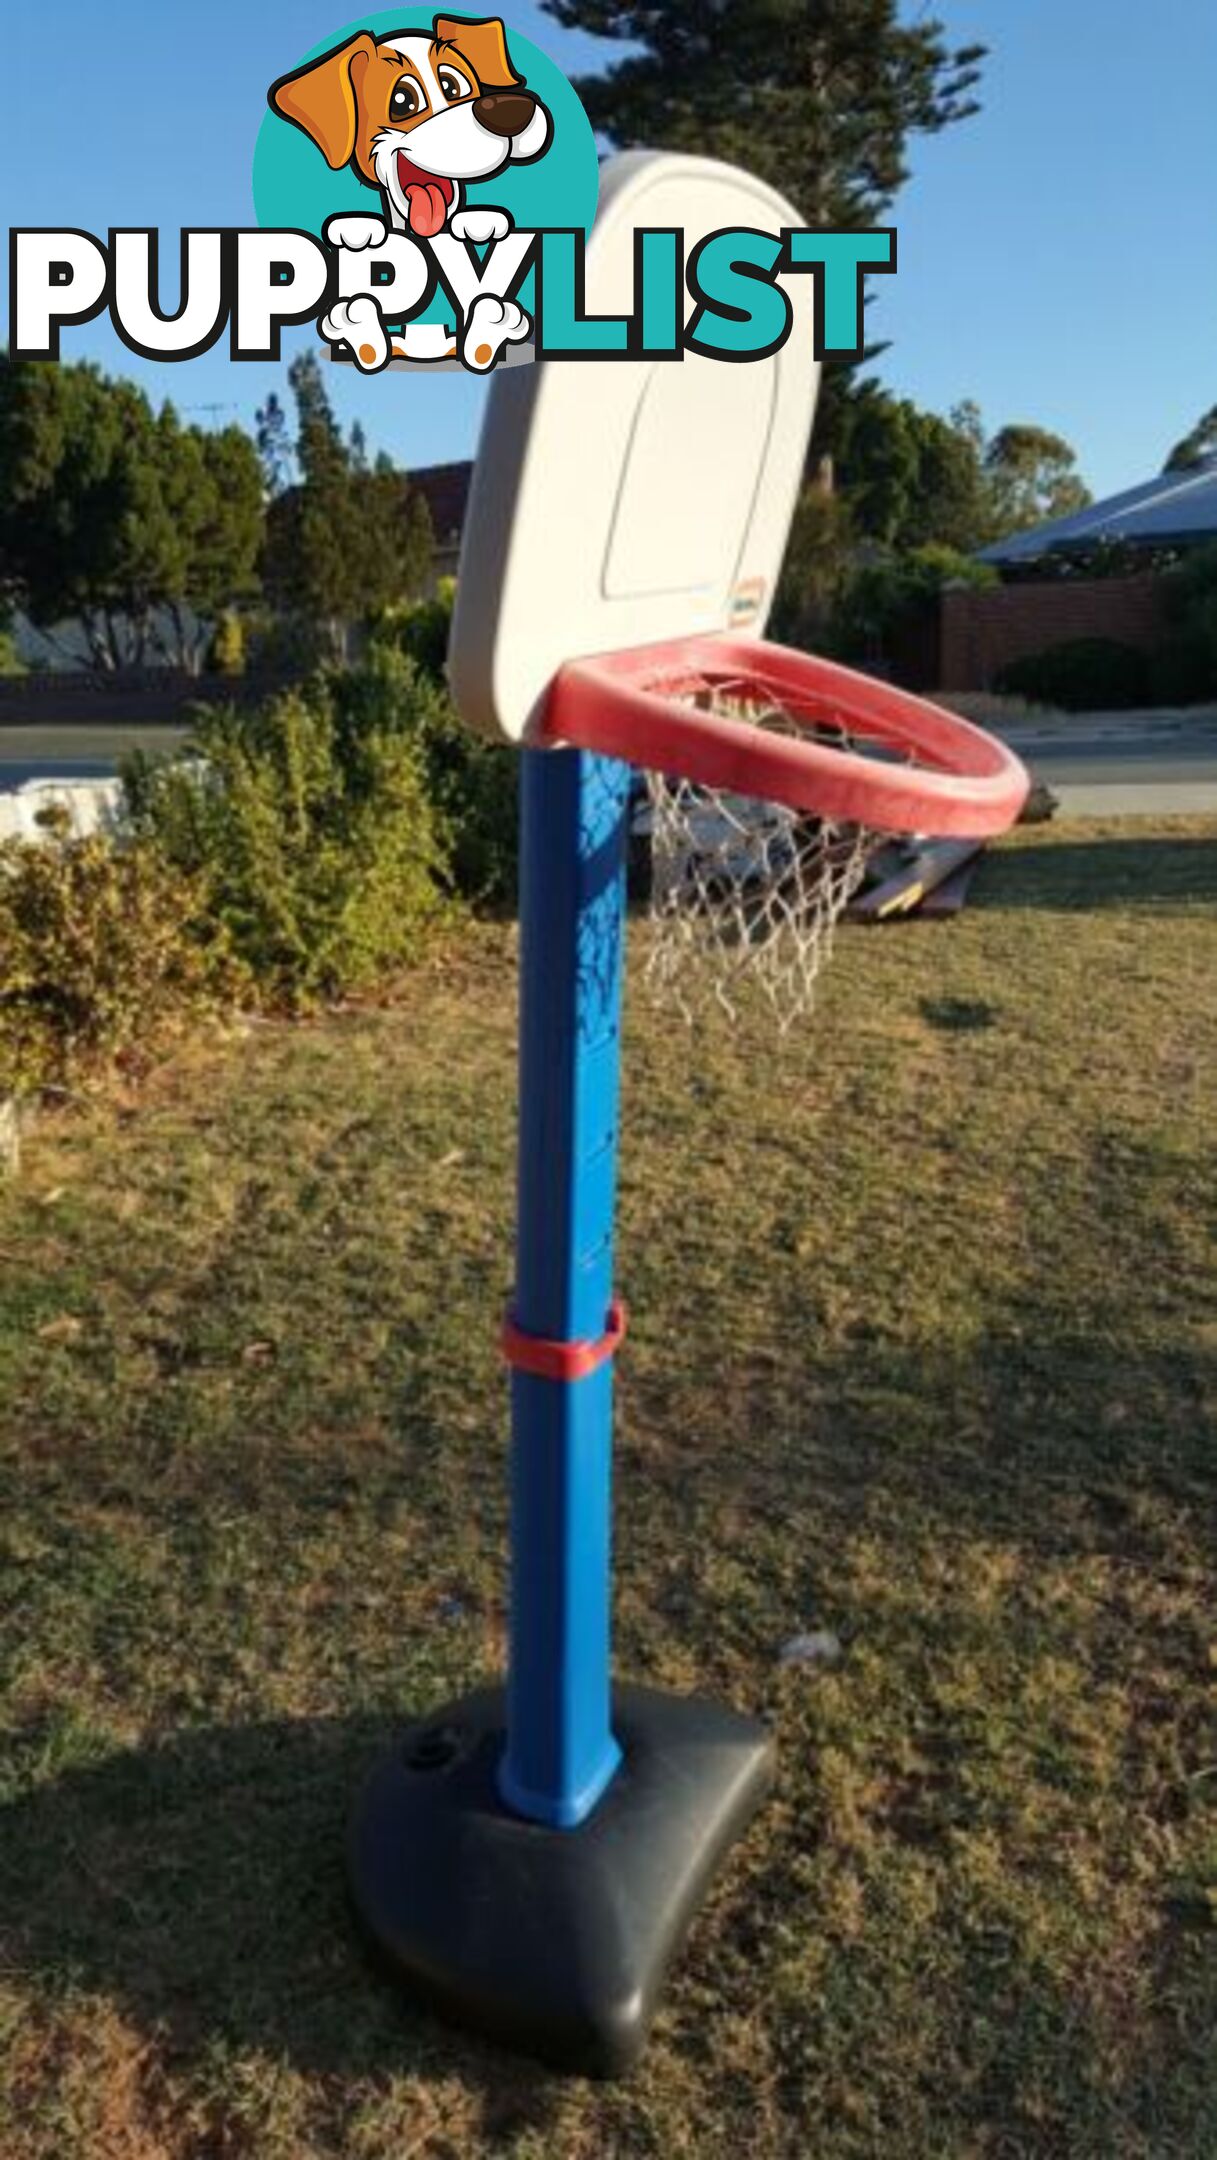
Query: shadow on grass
200, 1885
1101, 873
958, 1016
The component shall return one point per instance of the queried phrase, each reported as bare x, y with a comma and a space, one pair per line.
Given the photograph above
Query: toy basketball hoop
529, 1857
772, 777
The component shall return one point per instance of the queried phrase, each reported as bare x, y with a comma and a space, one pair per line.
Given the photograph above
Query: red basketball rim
960, 781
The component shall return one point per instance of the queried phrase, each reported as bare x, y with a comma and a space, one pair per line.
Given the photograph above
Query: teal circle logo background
293, 185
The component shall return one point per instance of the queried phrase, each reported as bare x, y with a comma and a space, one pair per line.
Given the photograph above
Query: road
1112, 764
77, 752
1102, 764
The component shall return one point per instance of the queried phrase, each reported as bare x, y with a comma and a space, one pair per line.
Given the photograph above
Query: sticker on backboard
747, 602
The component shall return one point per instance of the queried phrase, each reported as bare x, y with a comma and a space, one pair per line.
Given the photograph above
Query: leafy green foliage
815, 570
1197, 447
883, 598
1080, 675
1032, 477
104, 948
349, 539
909, 498
1191, 586
276, 449
911, 477
472, 784
299, 852
819, 101
312, 825
1184, 669
138, 527
420, 628
226, 653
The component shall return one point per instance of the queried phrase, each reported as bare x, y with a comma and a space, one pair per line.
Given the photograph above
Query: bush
299, 851
312, 823
472, 783
1184, 668
282, 644
226, 652
882, 599
399, 688
105, 947
1080, 675
1191, 585
815, 569
420, 628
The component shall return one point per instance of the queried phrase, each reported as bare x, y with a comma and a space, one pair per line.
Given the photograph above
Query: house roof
445, 489
1178, 509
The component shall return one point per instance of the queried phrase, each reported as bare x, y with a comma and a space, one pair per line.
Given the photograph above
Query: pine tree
1196, 448
819, 97
345, 541
274, 441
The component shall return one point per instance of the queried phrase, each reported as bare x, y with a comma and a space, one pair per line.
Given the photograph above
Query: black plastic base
555, 1941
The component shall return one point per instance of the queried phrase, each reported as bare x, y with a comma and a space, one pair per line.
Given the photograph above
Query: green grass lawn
922, 1351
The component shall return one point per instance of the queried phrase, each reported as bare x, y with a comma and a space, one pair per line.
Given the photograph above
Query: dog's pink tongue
427, 204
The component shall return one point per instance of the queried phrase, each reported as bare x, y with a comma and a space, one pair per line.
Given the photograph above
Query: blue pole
560, 1752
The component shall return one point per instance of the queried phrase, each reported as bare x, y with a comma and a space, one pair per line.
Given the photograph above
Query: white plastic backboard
621, 502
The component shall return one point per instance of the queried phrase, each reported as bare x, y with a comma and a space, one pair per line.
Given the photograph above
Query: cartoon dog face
417, 115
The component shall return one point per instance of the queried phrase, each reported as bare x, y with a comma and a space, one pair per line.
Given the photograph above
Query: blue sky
1057, 254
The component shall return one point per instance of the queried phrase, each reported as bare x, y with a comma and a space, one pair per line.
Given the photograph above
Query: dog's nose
505, 112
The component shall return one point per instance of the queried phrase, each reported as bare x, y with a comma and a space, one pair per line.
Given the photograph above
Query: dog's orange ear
483, 45
322, 98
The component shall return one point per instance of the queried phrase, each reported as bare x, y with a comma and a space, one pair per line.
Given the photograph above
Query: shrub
105, 947
1184, 668
282, 644
1079, 675
420, 628
472, 783
883, 598
475, 785
226, 653
312, 824
815, 569
1191, 584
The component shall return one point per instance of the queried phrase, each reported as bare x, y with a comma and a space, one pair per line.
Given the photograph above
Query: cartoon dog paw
480, 225
492, 323
359, 324
356, 232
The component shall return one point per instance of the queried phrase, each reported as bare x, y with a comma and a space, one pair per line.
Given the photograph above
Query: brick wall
981, 630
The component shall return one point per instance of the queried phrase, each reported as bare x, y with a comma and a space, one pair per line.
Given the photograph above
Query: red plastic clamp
550, 1360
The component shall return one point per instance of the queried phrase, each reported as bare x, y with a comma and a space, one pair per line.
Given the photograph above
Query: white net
745, 892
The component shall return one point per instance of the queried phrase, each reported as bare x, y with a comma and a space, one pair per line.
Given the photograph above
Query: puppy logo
418, 117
